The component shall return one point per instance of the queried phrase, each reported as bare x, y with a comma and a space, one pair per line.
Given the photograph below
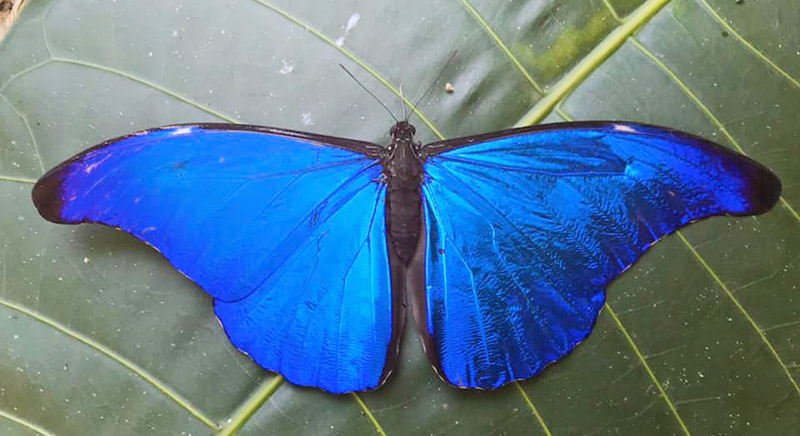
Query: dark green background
98, 335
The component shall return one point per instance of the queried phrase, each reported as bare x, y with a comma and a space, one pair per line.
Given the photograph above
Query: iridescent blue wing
286, 231
526, 228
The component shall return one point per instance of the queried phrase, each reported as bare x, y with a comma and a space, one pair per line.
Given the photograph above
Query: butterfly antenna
369, 92
403, 103
430, 87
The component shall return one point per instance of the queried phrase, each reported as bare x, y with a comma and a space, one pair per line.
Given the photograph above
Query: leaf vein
147, 83
749, 45
500, 44
741, 308
358, 61
25, 423
17, 179
136, 369
23, 72
251, 405
533, 408
591, 62
735, 301
368, 413
613, 11
703, 108
647, 368
28, 128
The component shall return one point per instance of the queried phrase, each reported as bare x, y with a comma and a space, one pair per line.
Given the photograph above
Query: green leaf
101, 336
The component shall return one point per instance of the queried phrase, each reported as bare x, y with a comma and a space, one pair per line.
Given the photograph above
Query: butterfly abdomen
403, 213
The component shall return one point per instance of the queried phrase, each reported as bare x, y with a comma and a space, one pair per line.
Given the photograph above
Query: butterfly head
403, 130
403, 142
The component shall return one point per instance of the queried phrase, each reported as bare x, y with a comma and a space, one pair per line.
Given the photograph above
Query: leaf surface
101, 336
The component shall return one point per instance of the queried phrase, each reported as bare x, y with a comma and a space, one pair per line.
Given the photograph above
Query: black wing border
364, 147
439, 147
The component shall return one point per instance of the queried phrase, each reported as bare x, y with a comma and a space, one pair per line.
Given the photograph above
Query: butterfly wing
526, 228
285, 230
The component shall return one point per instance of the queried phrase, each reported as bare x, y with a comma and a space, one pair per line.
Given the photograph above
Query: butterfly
312, 245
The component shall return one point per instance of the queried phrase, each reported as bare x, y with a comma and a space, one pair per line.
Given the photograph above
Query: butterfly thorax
403, 170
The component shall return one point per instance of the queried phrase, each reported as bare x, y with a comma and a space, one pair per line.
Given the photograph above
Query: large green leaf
98, 335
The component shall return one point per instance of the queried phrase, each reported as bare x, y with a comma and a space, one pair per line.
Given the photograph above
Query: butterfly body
505, 242
403, 170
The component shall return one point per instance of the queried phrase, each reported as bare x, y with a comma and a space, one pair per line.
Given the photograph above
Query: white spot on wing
624, 128
351, 23
181, 131
91, 167
307, 121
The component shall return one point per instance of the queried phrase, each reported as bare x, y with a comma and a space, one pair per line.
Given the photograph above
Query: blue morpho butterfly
310, 244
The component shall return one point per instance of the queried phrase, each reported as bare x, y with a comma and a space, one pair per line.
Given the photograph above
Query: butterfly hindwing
334, 329
526, 228
285, 230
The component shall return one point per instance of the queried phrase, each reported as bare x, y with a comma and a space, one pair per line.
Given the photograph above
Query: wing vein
522, 343
287, 253
478, 163
347, 271
486, 203
475, 301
